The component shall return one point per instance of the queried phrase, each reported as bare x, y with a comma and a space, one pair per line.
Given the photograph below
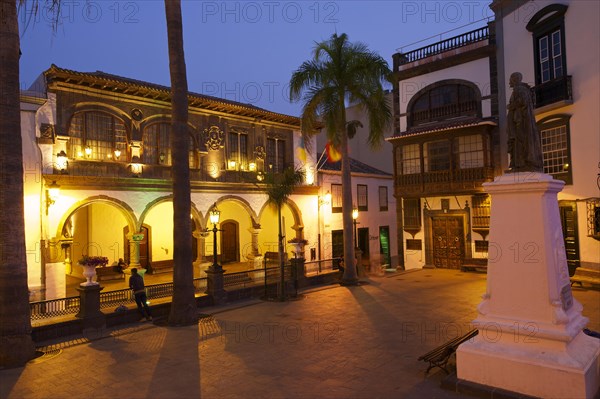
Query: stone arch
296, 213
127, 211
240, 201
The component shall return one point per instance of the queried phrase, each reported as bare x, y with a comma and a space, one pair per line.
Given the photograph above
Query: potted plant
89, 264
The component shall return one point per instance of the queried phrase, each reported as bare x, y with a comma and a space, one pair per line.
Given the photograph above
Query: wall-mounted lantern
62, 162
136, 166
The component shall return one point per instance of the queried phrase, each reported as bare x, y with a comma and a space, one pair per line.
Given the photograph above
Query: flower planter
89, 272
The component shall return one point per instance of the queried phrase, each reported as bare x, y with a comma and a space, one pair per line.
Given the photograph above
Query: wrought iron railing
465, 39
70, 306
322, 266
54, 308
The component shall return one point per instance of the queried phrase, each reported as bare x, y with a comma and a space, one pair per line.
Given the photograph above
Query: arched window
156, 140
444, 100
98, 136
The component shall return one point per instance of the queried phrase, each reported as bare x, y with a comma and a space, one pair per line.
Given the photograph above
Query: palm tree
16, 345
339, 74
279, 187
183, 307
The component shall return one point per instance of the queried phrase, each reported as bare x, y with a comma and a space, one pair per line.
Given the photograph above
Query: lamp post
214, 219
354, 217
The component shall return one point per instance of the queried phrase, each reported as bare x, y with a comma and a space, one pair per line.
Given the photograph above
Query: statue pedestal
530, 337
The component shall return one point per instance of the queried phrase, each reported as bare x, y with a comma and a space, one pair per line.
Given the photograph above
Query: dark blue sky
240, 50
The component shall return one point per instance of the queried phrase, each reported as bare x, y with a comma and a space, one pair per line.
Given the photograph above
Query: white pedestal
530, 339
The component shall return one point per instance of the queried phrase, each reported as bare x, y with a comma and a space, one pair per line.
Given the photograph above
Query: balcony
444, 182
553, 91
452, 43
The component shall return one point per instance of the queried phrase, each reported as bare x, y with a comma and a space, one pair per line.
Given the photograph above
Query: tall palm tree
16, 345
279, 187
183, 307
343, 73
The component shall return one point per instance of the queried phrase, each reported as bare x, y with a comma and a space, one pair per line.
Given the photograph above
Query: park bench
160, 266
474, 265
586, 275
439, 356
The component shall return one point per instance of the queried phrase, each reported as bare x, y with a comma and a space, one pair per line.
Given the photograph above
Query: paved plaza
333, 342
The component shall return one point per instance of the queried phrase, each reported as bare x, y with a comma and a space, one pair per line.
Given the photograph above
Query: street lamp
214, 219
354, 217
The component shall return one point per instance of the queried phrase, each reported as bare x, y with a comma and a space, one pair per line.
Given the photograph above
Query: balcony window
362, 196
408, 159
383, 198
412, 214
336, 198
470, 151
436, 156
238, 150
276, 154
443, 100
481, 211
555, 141
96, 136
156, 140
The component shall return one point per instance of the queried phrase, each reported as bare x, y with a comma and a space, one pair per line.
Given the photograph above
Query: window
437, 156
337, 243
481, 211
408, 158
276, 154
238, 151
383, 198
157, 144
362, 197
555, 141
548, 29
593, 218
443, 101
412, 213
97, 135
470, 151
336, 198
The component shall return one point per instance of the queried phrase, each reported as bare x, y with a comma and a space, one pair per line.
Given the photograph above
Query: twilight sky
244, 51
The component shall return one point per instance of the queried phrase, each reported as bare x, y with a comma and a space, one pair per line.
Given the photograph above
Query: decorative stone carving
259, 152
213, 138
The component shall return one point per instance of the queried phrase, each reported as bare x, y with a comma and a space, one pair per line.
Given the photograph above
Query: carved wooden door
229, 242
448, 242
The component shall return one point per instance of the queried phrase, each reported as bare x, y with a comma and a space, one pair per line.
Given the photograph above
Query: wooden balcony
455, 181
553, 91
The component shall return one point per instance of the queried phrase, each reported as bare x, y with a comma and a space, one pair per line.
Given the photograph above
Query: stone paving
333, 342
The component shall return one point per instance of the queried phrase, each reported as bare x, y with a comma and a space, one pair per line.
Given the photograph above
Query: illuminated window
96, 136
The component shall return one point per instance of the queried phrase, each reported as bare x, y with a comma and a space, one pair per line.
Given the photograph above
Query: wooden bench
109, 273
160, 266
586, 275
439, 356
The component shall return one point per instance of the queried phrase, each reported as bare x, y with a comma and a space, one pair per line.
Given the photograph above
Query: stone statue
523, 137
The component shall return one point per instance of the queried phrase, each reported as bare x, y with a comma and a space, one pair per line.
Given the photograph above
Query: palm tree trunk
183, 307
16, 345
281, 258
350, 276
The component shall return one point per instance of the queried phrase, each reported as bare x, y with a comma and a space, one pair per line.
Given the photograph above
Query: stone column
134, 249
89, 307
254, 231
530, 337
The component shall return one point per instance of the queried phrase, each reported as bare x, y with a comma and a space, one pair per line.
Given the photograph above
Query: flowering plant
93, 261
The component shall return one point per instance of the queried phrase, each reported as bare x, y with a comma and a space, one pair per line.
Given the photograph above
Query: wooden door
448, 242
229, 242
568, 220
